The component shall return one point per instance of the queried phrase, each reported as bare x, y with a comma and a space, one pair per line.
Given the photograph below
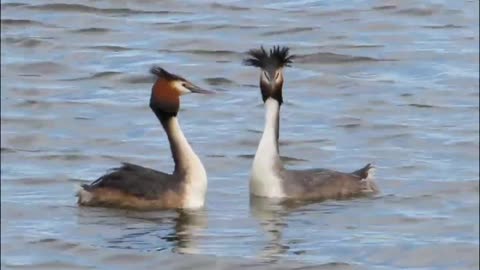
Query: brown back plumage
323, 184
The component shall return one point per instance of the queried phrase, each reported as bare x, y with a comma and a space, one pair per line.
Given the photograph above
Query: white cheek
184, 91
181, 89
263, 78
279, 78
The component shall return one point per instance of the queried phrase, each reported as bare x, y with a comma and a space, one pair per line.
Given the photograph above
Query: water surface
389, 82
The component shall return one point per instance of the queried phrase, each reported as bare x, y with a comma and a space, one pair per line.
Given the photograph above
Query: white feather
83, 195
196, 178
182, 89
264, 181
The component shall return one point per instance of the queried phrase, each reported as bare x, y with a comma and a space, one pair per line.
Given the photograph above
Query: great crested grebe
133, 186
269, 178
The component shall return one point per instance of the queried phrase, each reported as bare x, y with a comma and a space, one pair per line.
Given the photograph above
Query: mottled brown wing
321, 184
135, 180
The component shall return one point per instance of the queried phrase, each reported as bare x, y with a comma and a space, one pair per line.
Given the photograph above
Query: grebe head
271, 64
166, 92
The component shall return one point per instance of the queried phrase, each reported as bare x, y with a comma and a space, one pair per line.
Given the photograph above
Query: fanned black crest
162, 73
277, 57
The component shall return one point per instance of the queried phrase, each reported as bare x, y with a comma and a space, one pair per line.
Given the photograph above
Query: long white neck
182, 153
187, 164
269, 141
266, 164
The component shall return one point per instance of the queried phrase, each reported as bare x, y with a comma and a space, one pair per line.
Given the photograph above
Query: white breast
195, 181
264, 180
195, 186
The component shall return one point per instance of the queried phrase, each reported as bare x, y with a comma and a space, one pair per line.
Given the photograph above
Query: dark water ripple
22, 22
333, 58
60, 7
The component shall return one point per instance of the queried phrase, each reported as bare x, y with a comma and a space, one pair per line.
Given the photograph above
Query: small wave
411, 167
138, 79
66, 157
209, 52
297, 142
389, 138
332, 265
364, 46
333, 58
82, 118
254, 131
126, 78
105, 74
7, 150
42, 67
36, 181
389, 126
249, 85
385, 7
338, 37
20, 22
288, 31
218, 81
349, 125
73, 7
181, 26
83, 8
230, 26
216, 156
112, 48
445, 26
25, 42
92, 30
12, 5
98, 75
421, 105
229, 7
440, 189
58, 243
29, 103
416, 12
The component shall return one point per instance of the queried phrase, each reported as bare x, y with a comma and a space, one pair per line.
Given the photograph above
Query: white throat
187, 165
264, 180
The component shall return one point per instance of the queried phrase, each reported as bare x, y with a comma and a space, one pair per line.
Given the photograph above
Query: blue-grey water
389, 82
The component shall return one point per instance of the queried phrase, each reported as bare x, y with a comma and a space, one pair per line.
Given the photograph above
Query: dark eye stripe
266, 75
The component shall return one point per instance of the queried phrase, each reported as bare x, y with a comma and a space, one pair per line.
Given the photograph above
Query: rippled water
393, 82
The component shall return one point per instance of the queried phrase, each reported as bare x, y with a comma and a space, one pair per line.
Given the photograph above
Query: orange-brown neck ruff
165, 100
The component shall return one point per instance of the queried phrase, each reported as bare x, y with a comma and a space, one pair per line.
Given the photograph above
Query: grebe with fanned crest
269, 178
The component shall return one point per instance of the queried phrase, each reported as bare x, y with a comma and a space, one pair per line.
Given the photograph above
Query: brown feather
165, 97
109, 197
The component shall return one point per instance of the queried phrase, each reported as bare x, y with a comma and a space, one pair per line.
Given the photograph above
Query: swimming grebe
269, 178
133, 186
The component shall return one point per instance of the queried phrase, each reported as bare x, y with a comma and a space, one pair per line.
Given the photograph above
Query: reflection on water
176, 231
186, 229
271, 216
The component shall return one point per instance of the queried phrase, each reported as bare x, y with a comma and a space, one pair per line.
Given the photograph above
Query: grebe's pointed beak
196, 89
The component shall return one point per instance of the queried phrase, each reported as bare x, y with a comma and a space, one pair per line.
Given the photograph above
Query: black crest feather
276, 57
162, 73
